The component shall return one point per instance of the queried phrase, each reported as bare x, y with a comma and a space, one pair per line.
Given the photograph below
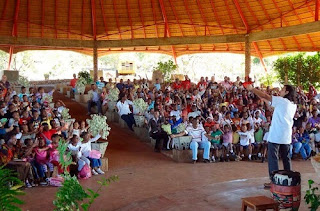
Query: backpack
85, 172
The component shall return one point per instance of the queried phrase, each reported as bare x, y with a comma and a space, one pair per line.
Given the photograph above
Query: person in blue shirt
120, 85
303, 137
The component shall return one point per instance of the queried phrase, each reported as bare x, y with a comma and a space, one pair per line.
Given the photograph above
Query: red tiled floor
151, 181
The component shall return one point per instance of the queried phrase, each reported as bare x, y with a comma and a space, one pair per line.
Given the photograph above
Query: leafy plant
72, 196
166, 68
85, 75
46, 76
312, 197
23, 81
9, 192
299, 69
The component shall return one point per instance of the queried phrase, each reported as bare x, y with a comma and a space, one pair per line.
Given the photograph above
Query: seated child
215, 140
245, 141
227, 138
75, 148
303, 137
86, 149
42, 160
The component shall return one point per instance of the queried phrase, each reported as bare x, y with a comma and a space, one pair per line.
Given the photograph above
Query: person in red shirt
25, 118
73, 81
202, 85
176, 85
46, 133
186, 84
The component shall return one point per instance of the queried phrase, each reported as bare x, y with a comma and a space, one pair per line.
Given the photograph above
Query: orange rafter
257, 21
94, 19
69, 18
245, 23
4, 12
142, 19
42, 17
316, 16
28, 13
82, 18
205, 21
154, 18
165, 20
164, 15
130, 20
55, 17
116, 16
15, 19
231, 18
295, 12
104, 19
218, 20
266, 13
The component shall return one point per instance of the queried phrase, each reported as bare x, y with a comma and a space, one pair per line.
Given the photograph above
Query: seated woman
125, 111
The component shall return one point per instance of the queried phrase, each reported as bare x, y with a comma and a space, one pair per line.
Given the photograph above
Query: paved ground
151, 181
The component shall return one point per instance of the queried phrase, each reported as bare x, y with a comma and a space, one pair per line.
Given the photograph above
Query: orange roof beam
82, 18
142, 19
205, 22
3, 11
42, 17
10, 56
316, 16
130, 20
28, 14
231, 18
94, 19
116, 16
218, 20
308, 36
69, 17
154, 18
55, 18
256, 20
166, 28
15, 19
165, 20
245, 23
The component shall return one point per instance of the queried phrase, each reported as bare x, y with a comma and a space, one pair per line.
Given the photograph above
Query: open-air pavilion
150, 181
175, 27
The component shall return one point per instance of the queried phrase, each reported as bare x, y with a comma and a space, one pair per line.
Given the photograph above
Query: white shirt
244, 138
75, 149
194, 114
282, 120
196, 133
86, 147
177, 114
123, 108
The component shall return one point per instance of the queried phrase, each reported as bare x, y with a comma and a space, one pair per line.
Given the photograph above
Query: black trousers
161, 138
129, 119
274, 150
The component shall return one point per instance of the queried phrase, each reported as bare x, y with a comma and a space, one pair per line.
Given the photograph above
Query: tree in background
299, 70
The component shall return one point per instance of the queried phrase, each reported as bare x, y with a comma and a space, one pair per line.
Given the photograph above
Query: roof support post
95, 61
10, 56
316, 16
247, 57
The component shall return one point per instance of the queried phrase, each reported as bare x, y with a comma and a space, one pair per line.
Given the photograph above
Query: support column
247, 57
95, 62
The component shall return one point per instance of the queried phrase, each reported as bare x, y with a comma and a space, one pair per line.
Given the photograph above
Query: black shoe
206, 161
227, 159
262, 159
194, 161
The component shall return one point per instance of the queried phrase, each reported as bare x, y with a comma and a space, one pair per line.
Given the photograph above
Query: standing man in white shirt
94, 98
124, 111
280, 134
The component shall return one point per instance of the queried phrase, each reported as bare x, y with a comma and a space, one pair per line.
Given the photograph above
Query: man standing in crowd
94, 99
280, 134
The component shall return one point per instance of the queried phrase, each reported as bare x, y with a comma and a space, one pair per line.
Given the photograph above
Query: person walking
280, 134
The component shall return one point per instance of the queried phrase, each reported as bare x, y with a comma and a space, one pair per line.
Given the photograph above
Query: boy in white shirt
245, 141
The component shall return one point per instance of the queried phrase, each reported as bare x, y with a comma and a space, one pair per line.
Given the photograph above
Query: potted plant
113, 97
166, 68
46, 76
141, 106
98, 125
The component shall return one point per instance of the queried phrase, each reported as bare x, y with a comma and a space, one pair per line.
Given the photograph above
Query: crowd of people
30, 132
224, 119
